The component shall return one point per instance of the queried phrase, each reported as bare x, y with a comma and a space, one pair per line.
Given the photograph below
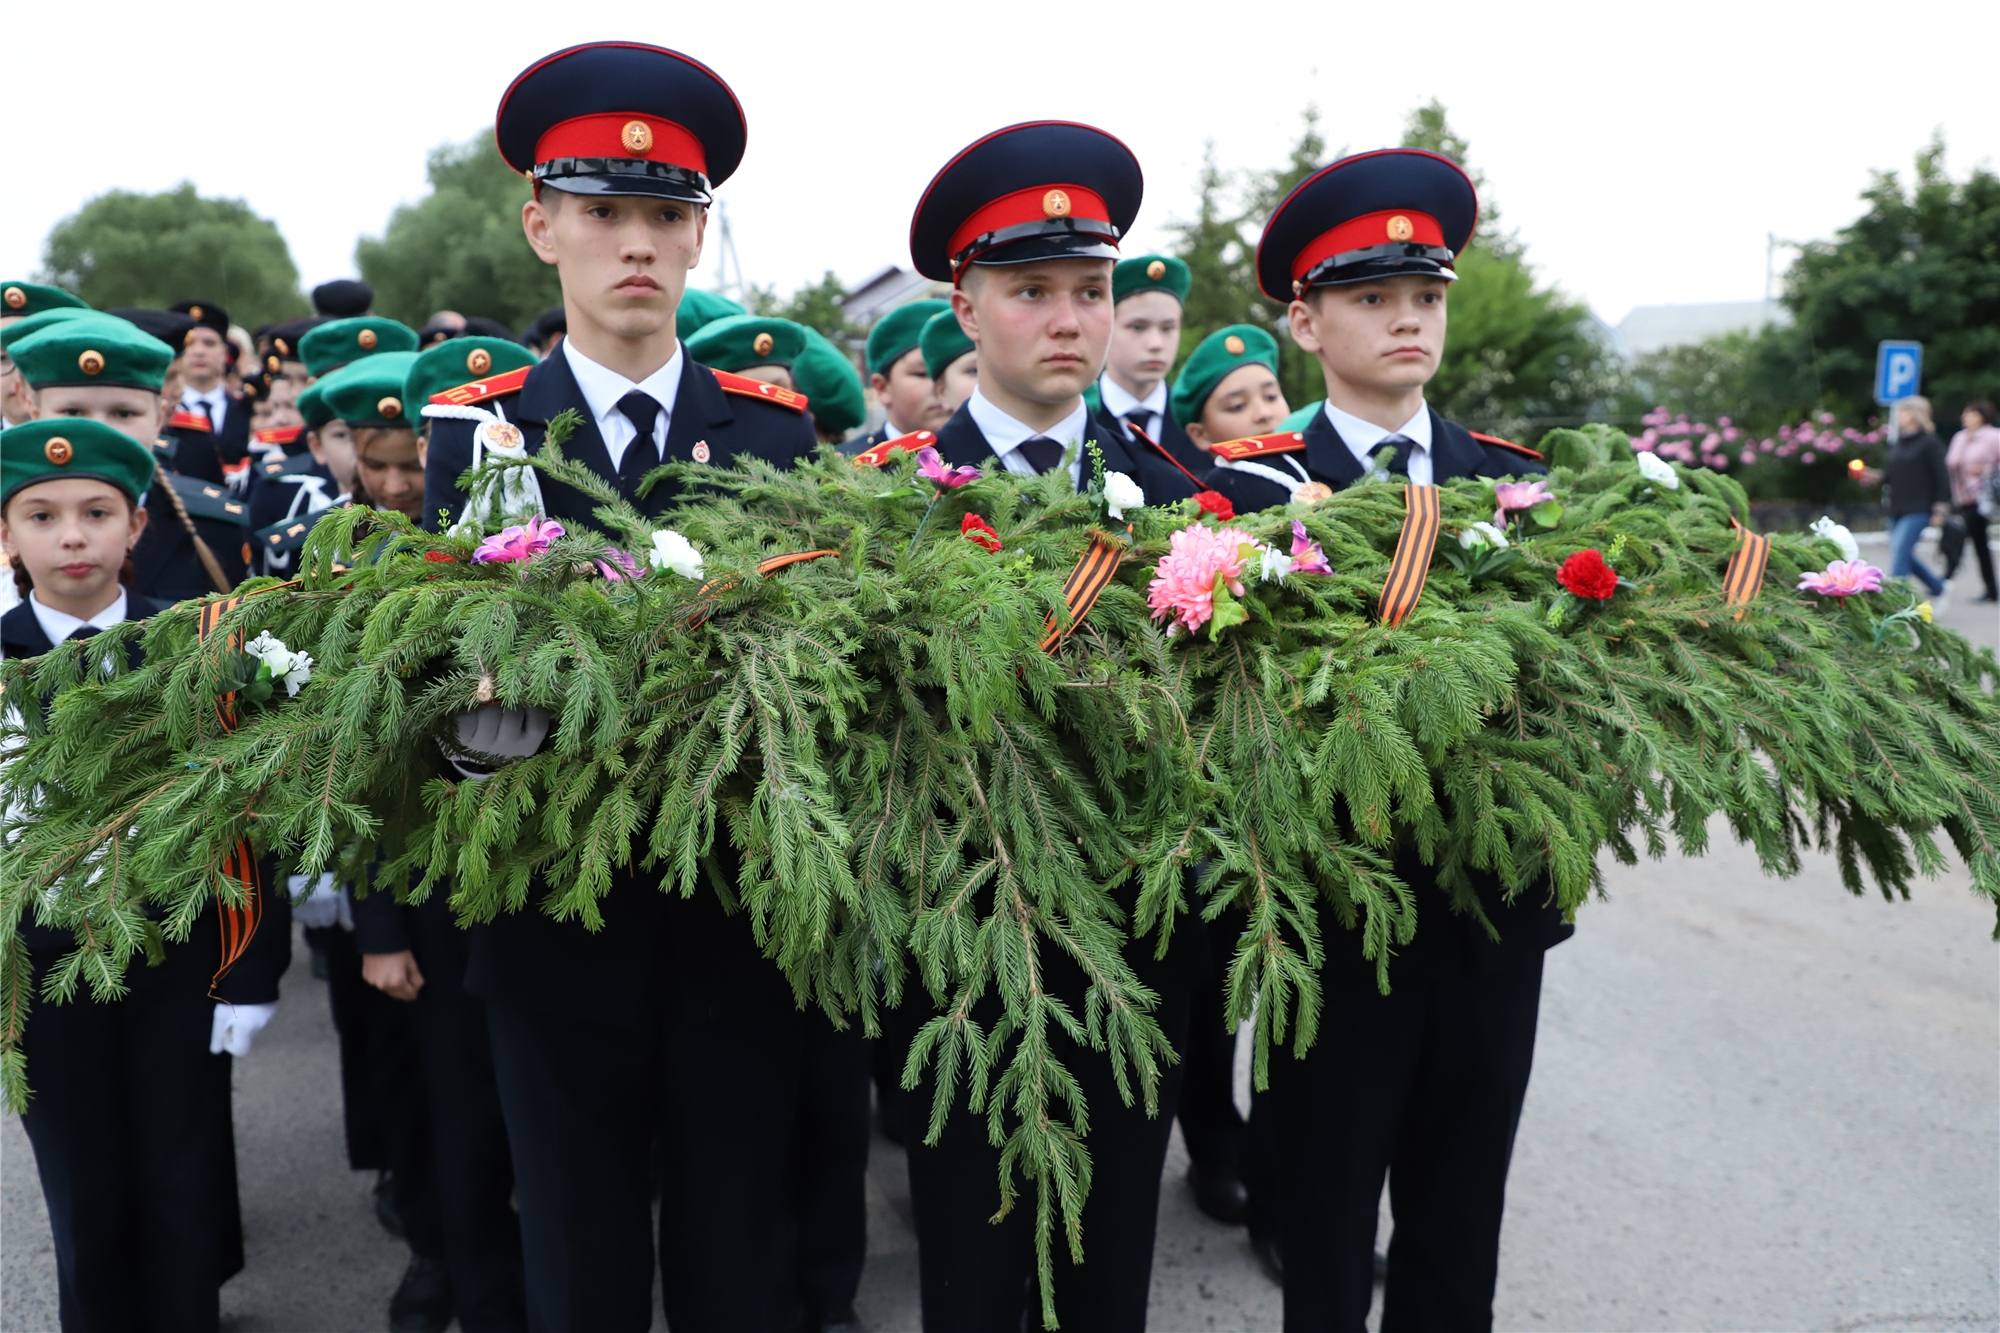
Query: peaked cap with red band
1373, 215
621, 118
1047, 189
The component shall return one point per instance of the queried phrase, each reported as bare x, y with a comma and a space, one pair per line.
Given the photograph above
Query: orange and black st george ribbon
238, 921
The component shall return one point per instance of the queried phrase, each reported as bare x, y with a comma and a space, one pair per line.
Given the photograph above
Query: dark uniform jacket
168, 567
961, 443
1174, 440
527, 958
282, 489
203, 451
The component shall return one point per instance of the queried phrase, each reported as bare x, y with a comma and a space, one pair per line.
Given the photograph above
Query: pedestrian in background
1973, 461
1919, 491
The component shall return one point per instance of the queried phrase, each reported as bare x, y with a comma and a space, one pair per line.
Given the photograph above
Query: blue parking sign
1899, 368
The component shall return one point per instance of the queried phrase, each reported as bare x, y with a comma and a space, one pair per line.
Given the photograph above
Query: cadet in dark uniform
1145, 340
758, 347
129, 1117
206, 356
898, 375
664, 1041
1026, 222
1424, 1084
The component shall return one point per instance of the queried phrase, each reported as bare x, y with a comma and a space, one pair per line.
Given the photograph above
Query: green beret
1302, 418
92, 349
943, 341
312, 405
58, 447
737, 342
35, 323
831, 384
701, 308
1217, 355
333, 344
897, 333
369, 392
32, 298
457, 361
1150, 273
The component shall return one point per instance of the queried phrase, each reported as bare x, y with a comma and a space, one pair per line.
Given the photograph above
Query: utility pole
729, 279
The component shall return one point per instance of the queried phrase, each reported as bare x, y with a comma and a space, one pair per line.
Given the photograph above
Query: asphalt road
1756, 1105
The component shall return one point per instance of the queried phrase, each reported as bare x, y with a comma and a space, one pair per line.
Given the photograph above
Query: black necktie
1399, 466
214, 426
1141, 419
1041, 452
82, 632
642, 455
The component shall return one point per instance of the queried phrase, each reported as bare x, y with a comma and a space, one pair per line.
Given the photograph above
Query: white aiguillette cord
517, 493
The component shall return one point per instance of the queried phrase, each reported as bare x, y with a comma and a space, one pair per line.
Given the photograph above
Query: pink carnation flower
1515, 497
1843, 579
521, 543
1198, 560
930, 465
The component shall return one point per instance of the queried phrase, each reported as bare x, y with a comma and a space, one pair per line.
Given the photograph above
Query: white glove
237, 1025
496, 731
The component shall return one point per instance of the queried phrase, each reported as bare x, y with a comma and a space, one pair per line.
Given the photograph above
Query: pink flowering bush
1806, 460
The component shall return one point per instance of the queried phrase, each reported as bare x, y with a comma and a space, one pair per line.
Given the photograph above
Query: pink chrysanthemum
1843, 579
1198, 560
522, 543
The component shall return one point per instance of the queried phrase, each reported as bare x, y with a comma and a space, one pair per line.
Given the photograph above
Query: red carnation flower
441, 557
1216, 503
1586, 575
976, 529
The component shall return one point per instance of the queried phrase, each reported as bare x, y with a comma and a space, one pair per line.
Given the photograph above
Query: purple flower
522, 543
617, 566
1307, 558
932, 467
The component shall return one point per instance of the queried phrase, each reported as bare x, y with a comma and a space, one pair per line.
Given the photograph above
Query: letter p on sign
1898, 371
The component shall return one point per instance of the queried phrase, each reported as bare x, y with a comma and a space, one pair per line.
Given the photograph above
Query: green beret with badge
831, 385
897, 333
1150, 273
312, 406
742, 341
1216, 357
457, 361
32, 298
339, 342
92, 349
369, 392
700, 308
58, 448
35, 323
943, 341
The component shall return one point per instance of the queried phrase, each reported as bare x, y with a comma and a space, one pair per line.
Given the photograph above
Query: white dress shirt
215, 401
59, 625
1361, 436
602, 388
1118, 403
1006, 435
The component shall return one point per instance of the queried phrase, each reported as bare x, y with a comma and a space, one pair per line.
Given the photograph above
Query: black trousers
1210, 1123
829, 1175
387, 1114
978, 1275
472, 1168
1976, 530
125, 1125
1425, 1084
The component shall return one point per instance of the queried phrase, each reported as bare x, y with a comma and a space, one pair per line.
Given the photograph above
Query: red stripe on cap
1035, 204
1369, 229
605, 135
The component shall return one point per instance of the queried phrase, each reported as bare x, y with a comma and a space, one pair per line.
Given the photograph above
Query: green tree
817, 305
126, 249
460, 247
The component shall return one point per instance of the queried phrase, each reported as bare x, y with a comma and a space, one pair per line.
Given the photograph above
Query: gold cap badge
637, 136
91, 362
390, 408
273, 362
1055, 204
1400, 228
367, 339
279, 343
16, 298
479, 361
194, 313
1233, 345
58, 450
763, 344
1157, 269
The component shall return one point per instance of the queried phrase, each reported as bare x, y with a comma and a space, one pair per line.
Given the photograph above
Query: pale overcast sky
1643, 152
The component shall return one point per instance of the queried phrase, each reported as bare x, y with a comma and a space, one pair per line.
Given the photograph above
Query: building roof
1651, 328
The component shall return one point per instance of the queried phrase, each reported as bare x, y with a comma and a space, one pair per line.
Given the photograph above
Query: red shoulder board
480, 390
1256, 446
1508, 445
279, 435
877, 455
186, 420
770, 393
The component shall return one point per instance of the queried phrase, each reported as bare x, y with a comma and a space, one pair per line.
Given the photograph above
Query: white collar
59, 625
1005, 434
217, 396
1361, 436
1118, 402
602, 387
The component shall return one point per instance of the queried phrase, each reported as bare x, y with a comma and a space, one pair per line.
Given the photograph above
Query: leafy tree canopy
127, 249
460, 248
817, 305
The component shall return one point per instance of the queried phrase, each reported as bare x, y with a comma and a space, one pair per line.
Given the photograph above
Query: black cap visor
1396, 259
623, 175
1053, 238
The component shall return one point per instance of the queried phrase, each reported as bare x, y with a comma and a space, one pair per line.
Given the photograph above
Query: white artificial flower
675, 552
1272, 564
1839, 536
1659, 471
1121, 493
1483, 534
294, 669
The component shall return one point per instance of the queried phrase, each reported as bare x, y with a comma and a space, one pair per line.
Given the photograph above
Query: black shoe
1381, 1268
1269, 1257
320, 968
1218, 1191
422, 1303
1988, 598
385, 1204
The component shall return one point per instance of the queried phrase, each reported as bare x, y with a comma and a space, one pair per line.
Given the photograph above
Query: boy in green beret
834, 397
951, 359
898, 375
1148, 291
757, 347
327, 347
1229, 389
